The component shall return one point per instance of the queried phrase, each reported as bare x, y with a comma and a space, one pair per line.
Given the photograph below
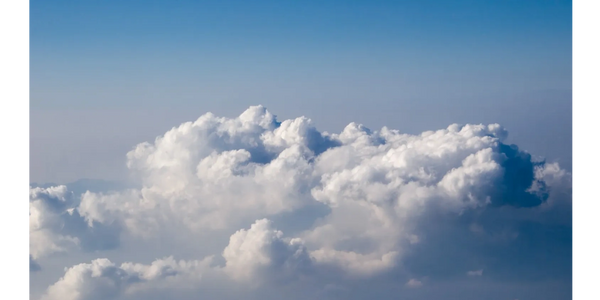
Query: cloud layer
374, 204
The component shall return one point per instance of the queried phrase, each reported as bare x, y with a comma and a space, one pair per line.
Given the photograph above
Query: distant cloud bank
456, 198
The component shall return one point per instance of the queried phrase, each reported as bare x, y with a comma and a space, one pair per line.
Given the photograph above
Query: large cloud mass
372, 203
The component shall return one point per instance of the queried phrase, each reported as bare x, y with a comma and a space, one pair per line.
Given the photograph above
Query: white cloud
414, 283
102, 279
555, 181
46, 209
55, 226
219, 174
475, 273
214, 170
262, 252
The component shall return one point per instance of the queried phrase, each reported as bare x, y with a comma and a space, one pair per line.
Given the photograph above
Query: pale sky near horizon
71, 144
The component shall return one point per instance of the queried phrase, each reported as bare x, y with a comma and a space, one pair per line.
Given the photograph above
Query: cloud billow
55, 225
386, 194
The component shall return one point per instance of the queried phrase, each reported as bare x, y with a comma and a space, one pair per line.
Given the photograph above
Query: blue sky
124, 53
411, 65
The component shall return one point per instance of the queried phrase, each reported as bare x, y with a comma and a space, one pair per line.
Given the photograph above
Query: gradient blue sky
106, 75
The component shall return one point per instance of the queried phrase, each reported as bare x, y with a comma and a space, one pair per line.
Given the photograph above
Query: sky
106, 75
320, 149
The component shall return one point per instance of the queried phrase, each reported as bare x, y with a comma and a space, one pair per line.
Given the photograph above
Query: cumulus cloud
102, 279
214, 170
387, 194
55, 225
46, 208
263, 252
